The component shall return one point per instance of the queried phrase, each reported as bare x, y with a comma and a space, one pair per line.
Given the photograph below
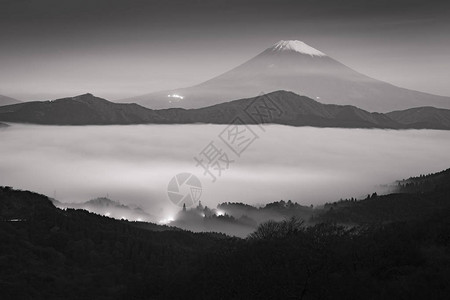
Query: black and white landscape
224, 149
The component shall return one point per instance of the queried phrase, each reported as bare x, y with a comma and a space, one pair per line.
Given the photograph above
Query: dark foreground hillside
48, 253
416, 198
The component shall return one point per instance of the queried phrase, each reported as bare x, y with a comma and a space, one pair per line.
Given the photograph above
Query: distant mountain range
297, 67
4, 100
280, 107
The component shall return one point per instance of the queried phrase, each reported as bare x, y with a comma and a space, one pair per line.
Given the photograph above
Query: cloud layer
134, 164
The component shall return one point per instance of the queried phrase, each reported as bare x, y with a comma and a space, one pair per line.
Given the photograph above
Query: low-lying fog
134, 164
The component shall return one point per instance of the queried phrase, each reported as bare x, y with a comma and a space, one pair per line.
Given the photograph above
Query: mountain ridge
84, 109
290, 109
419, 117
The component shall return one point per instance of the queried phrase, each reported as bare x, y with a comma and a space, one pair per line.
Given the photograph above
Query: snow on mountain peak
297, 46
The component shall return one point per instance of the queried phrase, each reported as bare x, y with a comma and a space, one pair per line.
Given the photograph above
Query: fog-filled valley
134, 164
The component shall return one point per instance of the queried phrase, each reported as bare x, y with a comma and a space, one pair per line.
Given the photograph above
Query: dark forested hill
280, 107
48, 253
416, 198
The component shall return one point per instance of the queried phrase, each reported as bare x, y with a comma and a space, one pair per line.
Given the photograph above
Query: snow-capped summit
297, 46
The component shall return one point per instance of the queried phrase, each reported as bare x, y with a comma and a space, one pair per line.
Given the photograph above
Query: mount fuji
294, 66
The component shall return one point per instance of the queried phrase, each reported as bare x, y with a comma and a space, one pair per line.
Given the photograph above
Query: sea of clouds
134, 164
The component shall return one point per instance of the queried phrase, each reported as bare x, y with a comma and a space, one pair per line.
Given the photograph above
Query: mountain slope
297, 67
4, 100
420, 117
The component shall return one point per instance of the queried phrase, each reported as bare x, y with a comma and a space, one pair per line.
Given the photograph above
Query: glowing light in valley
166, 221
139, 219
107, 214
175, 96
220, 213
